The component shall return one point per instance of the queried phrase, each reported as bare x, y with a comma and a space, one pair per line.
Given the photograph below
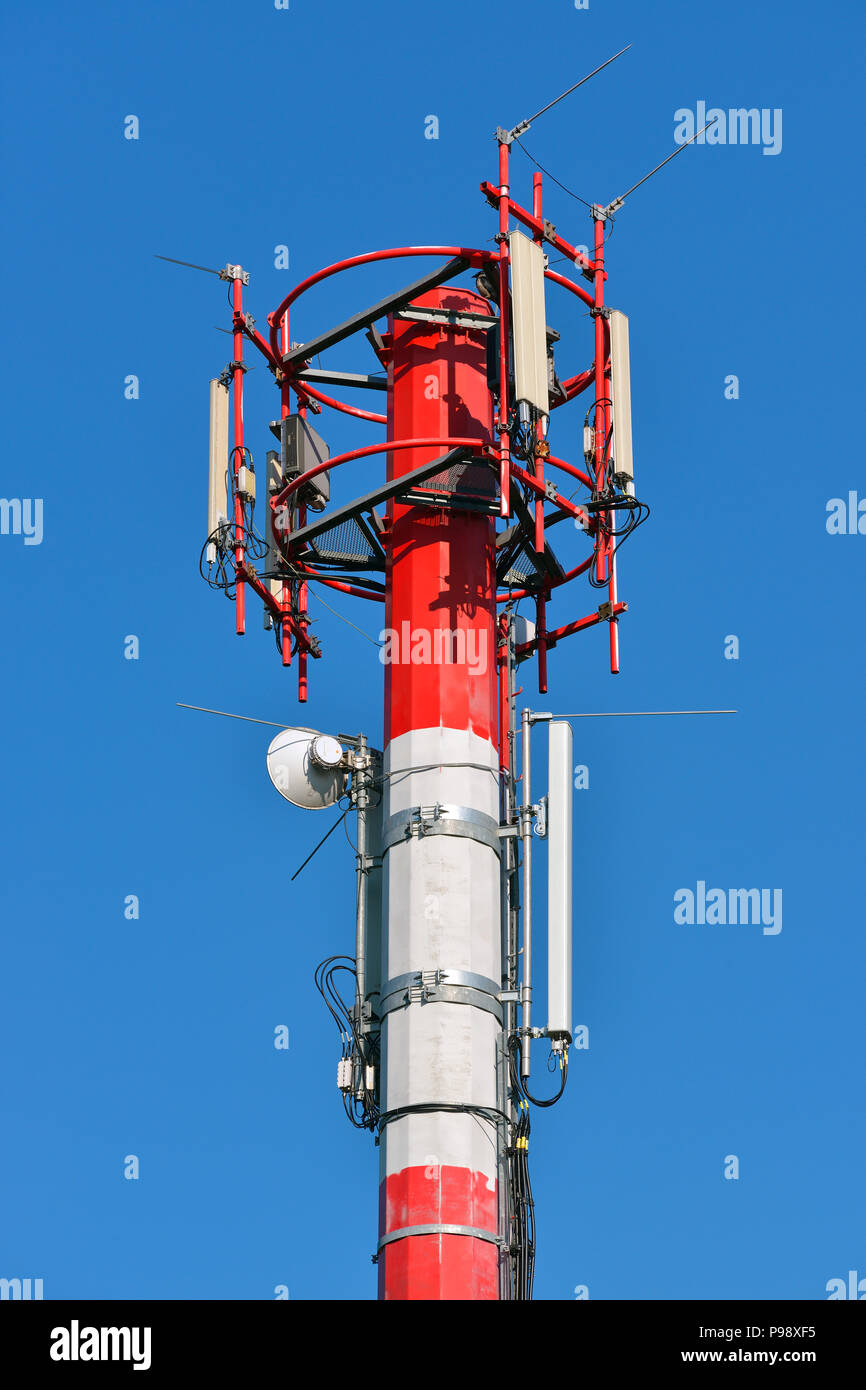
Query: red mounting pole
539, 457
285, 409
613, 624
606, 559
600, 418
541, 600
238, 452
302, 595
541, 637
504, 327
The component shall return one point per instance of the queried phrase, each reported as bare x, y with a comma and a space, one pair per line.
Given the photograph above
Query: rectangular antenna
529, 329
560, 794
620, 393
217, 497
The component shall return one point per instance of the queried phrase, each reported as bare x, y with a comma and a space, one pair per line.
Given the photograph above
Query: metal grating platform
468, 485
522, 570
345, 544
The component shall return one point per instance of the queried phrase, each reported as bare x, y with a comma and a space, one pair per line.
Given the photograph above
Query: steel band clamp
440, 1228
440, 819
443, 987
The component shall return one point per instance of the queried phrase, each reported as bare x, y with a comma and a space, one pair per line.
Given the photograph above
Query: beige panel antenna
528, 324
217, 497
620, 394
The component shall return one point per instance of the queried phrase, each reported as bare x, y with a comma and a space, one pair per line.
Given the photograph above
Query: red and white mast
435, 1044
439, 1228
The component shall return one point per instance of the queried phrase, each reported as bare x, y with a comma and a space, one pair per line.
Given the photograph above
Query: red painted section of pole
441, 563
438, 1267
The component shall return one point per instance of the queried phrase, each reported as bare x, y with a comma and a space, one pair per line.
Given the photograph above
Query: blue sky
154, 1037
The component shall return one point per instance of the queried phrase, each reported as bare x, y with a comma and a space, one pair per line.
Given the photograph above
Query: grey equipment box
302, 449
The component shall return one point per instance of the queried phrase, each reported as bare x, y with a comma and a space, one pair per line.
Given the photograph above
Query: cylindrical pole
603, 422
600, 418
440, 1091
302, 594
504, 335
537, 211
285, 410
238, 452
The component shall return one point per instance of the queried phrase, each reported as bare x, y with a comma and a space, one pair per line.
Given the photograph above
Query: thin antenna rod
618, 202
641, 713
524, 125
189, 264
321, 842
225, 714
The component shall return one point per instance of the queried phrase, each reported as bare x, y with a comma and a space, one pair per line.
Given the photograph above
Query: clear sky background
154, 1037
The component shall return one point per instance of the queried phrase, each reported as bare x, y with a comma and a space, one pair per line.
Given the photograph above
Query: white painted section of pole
441, 897
560, 802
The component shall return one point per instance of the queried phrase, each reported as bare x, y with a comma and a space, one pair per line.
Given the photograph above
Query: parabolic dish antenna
305, 767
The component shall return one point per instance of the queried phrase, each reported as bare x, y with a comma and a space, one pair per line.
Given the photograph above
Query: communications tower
475, 513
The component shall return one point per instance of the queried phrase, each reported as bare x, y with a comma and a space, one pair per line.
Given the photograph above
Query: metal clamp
440, 819
440, 1228
447, 317
441, 994
442, 987
440, 977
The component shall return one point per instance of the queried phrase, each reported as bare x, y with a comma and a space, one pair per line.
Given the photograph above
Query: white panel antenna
620, 393
560, 800
528, 323
217, 497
